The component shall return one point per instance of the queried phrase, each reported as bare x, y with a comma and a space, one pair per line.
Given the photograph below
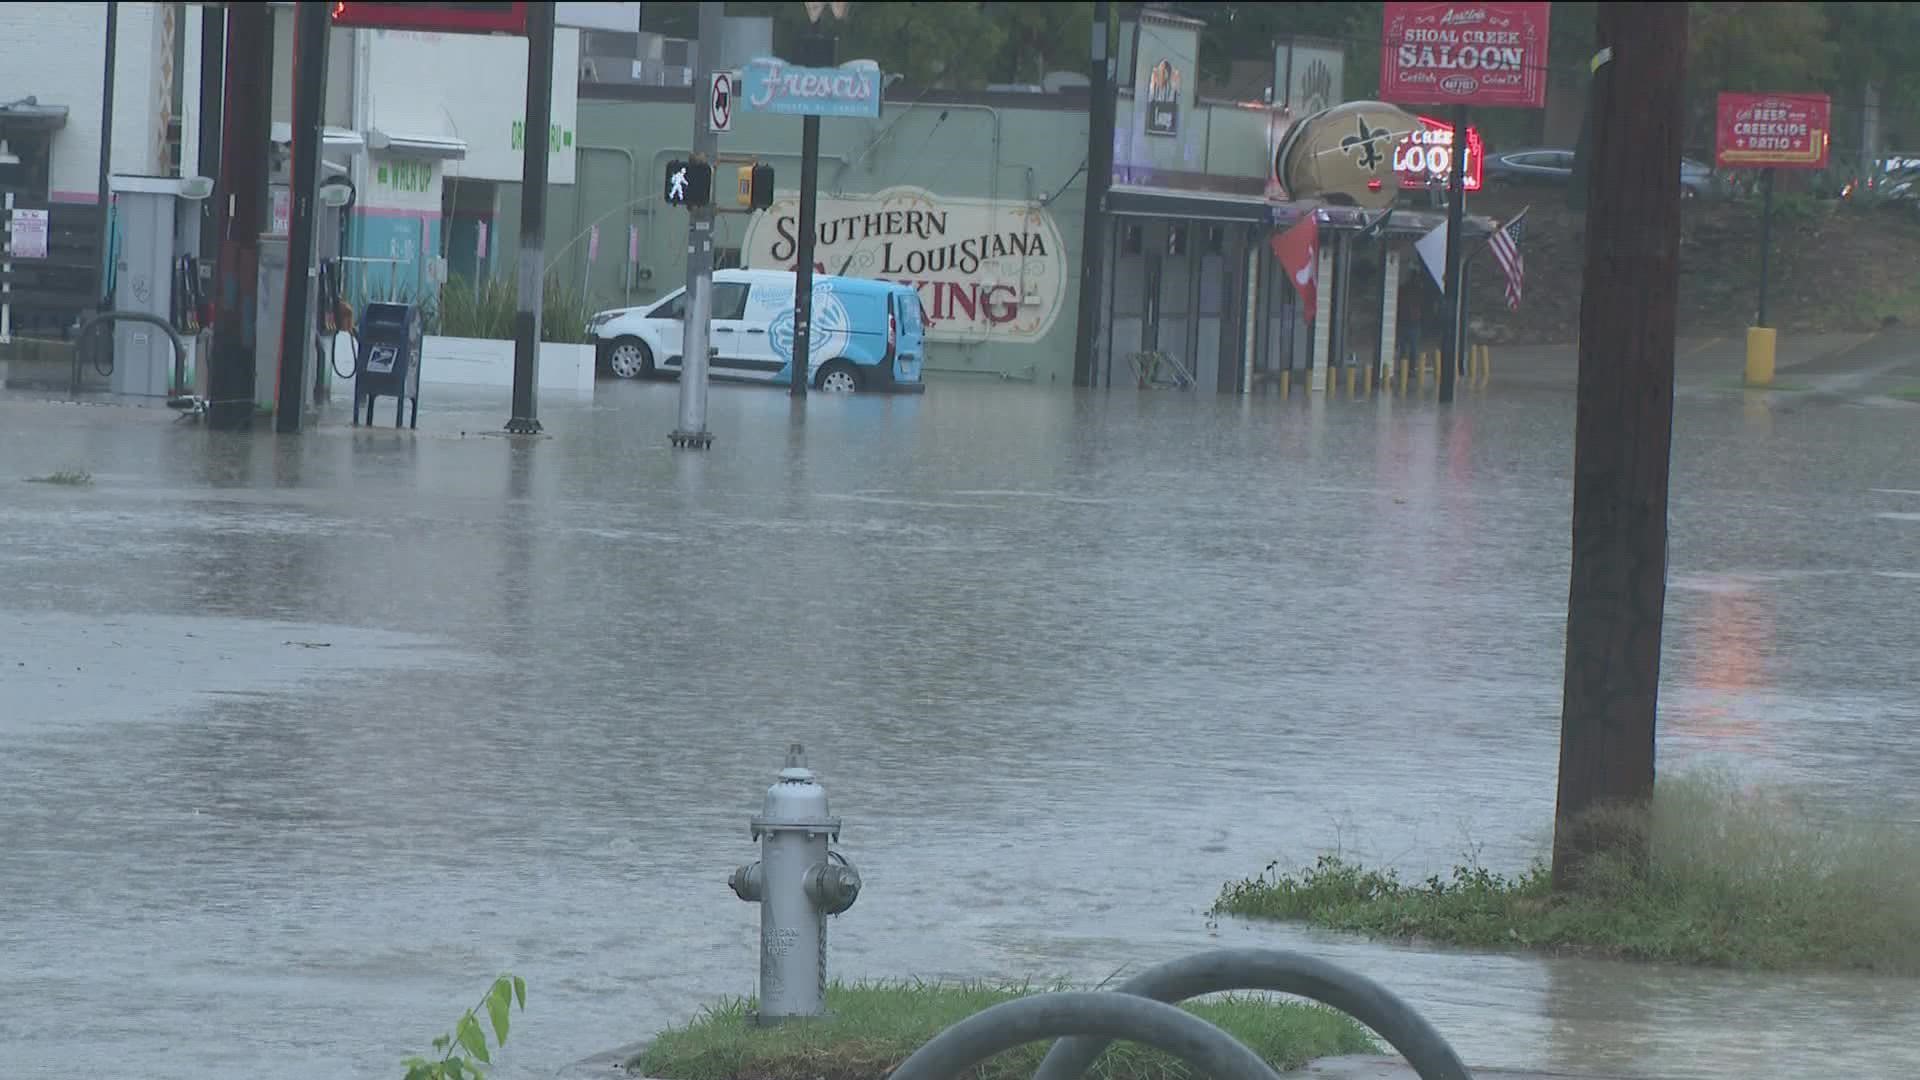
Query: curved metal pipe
179, 350
1103, 1016
1286, 972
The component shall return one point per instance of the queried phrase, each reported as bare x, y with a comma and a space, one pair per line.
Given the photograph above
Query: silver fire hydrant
798, 882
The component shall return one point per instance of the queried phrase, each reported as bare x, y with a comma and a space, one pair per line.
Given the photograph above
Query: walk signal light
689, 183
755, 186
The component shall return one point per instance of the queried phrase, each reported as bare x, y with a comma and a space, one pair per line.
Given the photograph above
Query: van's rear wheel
630, 359
838, 377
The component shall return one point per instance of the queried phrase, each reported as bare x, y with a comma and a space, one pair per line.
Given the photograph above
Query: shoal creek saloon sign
984, 271
1491, 54
775, 86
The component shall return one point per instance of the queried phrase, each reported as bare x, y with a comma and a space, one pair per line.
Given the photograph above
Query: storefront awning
332, 138
1128, 200
438, 147
29, 116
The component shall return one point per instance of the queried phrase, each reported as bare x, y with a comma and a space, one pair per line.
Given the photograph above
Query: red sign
1773, 131
1465, 54
1424, 159
445, 18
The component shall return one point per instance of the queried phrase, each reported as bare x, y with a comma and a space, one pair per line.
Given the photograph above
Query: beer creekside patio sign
984, 271
1465, 54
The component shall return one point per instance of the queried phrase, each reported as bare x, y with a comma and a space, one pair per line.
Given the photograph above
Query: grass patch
1738, 877
875, 1026
1907, 393
64, 478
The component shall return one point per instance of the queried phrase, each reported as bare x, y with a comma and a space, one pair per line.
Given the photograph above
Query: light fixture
8, 157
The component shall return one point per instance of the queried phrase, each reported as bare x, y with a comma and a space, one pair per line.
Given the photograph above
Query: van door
667, 323
737, 343
910, 337
766, 330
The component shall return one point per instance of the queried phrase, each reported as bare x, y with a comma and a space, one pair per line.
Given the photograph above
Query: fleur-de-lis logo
1365, 144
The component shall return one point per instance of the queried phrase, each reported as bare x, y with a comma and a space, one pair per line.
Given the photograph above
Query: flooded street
303, 740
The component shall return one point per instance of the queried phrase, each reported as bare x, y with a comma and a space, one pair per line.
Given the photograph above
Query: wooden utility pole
1623, 432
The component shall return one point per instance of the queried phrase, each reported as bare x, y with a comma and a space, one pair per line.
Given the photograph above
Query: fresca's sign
985, 271
1424, 159
1773, 131
775, 86
1465, 54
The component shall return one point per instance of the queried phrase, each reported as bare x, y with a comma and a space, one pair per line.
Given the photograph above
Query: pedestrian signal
689, 183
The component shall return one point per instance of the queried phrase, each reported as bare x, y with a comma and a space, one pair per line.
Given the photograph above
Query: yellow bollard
1405, 367
1760, 343
1353, 378
1286, 383
1368, 381
1486, 366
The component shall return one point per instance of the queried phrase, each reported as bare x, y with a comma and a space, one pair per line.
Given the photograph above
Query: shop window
1177, 240
1131, 240
1216, 240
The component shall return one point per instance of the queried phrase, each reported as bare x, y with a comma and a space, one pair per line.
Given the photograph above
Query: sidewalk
1882, 361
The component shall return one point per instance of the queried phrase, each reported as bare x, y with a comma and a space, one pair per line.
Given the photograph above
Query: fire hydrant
798, 882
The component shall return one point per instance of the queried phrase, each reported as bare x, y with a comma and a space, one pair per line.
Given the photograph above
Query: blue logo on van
827, 338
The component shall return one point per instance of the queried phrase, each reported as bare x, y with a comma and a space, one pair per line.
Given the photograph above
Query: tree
1623, 434
1739, 47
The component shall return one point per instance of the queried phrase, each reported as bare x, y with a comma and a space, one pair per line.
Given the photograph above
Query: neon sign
1424, 159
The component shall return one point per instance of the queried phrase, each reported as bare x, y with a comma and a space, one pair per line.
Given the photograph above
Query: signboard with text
775, 86
984, 270
1424, 159
28, 238
1773, 131
1492, 55
445, 18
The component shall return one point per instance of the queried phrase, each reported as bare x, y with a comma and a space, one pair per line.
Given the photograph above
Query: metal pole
692, 431
312, 26
105, 195
803, 281
1456, 246
1766, 240
533, 221
1093, 236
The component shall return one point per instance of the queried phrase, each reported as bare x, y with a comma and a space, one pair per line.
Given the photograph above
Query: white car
867, 334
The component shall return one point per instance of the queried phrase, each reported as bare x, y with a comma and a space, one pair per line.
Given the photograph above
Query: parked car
1546, 166
867, 335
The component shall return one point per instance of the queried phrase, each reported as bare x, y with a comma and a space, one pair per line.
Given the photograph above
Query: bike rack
1084, 1023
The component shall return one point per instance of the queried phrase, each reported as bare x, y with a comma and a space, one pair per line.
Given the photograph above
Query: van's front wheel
838, 377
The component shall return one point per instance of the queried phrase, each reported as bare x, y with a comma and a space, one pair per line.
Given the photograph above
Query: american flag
1506, 251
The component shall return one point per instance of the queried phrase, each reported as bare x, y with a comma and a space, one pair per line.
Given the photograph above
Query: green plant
873, 1027
467, 1043
64, 478
1737, 876
486, 309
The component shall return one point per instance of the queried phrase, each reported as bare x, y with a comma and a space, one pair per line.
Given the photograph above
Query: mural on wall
1163, 99
983, 270
1312, 75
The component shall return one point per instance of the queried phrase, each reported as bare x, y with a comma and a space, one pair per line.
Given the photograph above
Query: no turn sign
720, 103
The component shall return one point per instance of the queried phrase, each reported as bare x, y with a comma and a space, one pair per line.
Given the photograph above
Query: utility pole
1093, 229
698, 332
816, 48
312, 26
106, 151
246, 119
1622, 434
533, 221
1456, 317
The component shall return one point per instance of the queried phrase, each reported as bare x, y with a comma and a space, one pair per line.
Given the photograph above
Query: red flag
1298, 250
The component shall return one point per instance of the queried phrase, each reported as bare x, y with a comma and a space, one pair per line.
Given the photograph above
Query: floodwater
306, 739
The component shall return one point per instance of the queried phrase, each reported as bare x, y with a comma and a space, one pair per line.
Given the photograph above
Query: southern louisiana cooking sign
985, 271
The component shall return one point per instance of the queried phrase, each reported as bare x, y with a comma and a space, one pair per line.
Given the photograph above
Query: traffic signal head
688, 183
754, 186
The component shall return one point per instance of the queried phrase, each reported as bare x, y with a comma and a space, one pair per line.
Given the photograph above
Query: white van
867, 335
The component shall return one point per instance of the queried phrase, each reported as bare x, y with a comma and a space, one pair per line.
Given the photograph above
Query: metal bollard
798, 882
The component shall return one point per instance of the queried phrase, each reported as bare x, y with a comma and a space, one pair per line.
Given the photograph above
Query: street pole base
523, 426
696, 440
